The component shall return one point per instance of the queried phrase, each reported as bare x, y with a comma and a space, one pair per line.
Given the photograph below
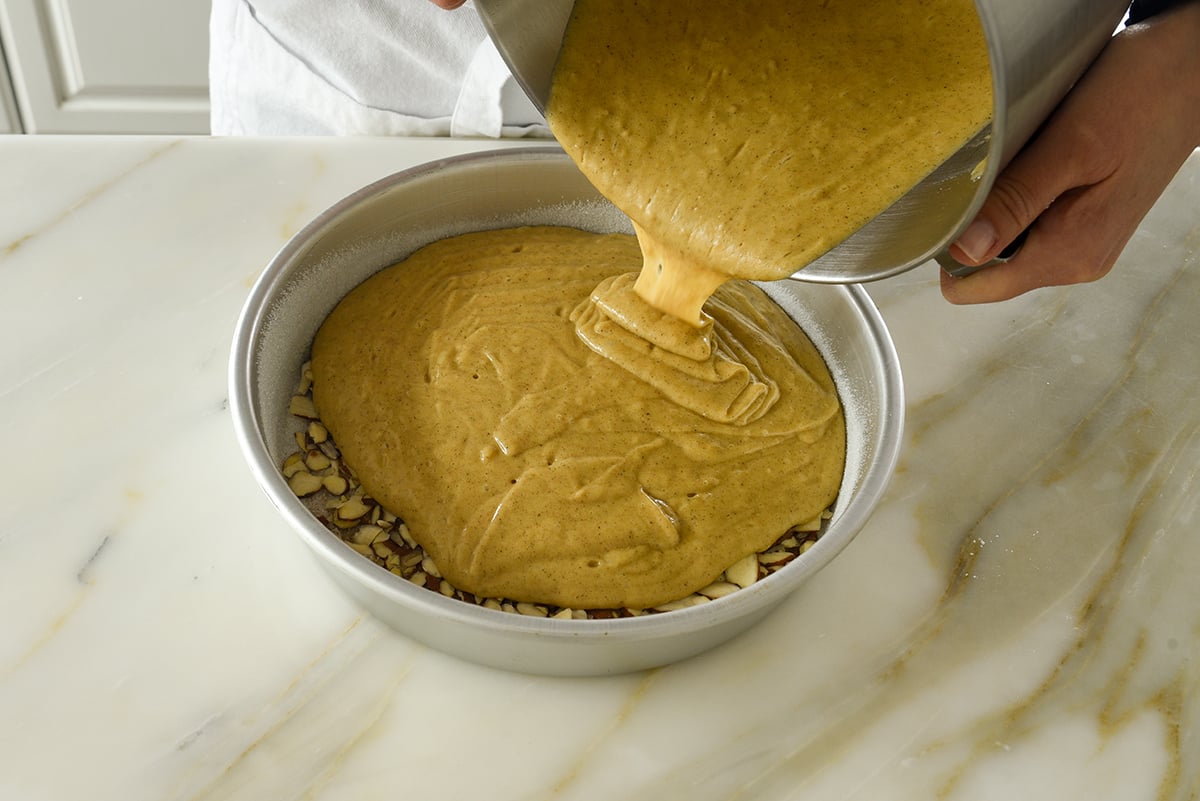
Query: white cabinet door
108, 66
10, 120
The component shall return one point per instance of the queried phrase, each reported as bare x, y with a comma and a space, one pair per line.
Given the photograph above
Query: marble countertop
1019, 620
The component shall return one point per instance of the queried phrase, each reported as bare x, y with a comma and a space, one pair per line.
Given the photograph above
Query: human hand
448, 4
1086, 180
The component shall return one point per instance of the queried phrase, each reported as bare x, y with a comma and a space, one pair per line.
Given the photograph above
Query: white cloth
360, 67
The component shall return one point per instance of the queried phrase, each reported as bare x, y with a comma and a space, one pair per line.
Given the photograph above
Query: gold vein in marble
296, 215
89, 196
631, 703
1078, 448
83, 580
49, 634
310, 692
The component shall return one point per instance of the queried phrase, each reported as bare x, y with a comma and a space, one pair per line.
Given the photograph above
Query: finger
448, 4
1023, 190
1076, 240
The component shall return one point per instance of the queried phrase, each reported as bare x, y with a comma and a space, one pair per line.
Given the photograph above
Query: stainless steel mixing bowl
1038, 48
381, 224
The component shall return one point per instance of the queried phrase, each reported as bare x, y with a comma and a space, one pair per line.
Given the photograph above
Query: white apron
360, 67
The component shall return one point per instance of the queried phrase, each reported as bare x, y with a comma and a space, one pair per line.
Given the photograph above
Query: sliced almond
810, 526
532, 610
316, 461
366, 535
682, 603
774, 557
302, 406
719, 589
317, 432
335, 484
306, 378
304, 483
744, 571
352, 509
293, 465
365, 550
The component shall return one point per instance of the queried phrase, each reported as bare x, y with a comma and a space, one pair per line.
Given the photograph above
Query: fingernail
977, 240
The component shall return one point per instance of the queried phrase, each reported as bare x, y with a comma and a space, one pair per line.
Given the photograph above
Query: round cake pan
384, 222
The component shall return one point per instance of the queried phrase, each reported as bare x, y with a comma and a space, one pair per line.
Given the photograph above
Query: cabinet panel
10, 120
118, 66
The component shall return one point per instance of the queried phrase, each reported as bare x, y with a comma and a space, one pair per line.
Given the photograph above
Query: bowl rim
876, 474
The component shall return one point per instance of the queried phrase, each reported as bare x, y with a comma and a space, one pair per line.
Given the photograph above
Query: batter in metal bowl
542, 447
747, 139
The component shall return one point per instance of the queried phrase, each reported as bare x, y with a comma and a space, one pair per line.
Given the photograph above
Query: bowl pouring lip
244, 397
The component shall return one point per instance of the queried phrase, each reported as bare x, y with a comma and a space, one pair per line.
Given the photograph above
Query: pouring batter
747, 140
551, 436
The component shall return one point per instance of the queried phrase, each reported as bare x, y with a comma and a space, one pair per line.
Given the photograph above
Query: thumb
1022, 191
